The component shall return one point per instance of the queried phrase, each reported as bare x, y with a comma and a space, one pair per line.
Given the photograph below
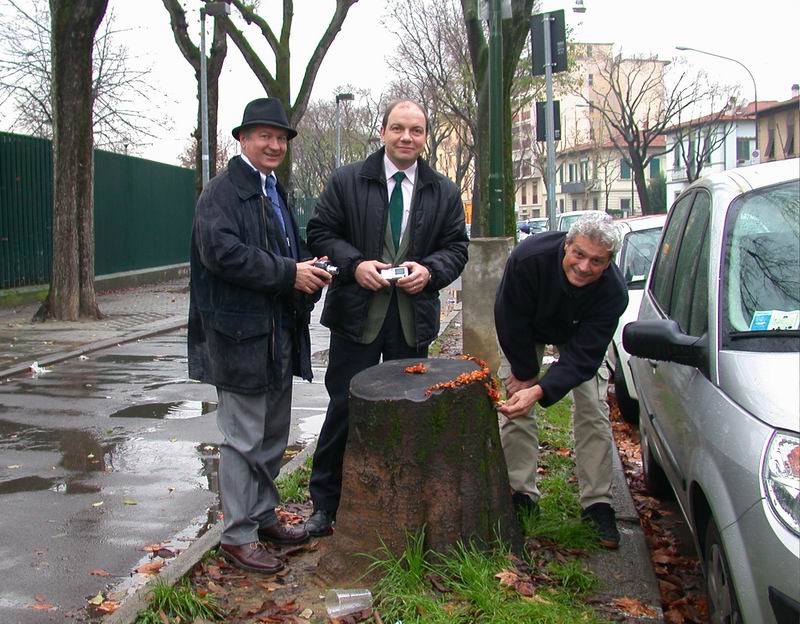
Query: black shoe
320, 523
601, 515
525, 505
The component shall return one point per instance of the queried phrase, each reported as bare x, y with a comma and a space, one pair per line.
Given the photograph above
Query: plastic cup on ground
341, 602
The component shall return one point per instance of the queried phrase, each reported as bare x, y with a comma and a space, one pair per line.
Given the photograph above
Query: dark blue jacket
242, 287
536, 304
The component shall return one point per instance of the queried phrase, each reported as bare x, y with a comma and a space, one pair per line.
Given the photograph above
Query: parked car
717, 365
566, 219
531, 226
639, 242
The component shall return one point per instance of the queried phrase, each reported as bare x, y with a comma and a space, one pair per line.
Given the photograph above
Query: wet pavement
106, 453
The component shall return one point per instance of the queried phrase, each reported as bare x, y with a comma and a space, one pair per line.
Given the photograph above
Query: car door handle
653, 364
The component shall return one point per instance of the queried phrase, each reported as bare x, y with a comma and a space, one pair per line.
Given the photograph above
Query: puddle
310, 426
175, 410
119, 358
25, 484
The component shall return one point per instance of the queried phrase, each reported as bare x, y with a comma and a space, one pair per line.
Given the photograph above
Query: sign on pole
558, 42
541, 121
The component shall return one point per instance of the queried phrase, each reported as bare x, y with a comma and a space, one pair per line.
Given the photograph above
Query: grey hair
599, 228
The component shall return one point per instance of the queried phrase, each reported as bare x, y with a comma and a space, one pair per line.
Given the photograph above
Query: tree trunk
416, 462
72, 292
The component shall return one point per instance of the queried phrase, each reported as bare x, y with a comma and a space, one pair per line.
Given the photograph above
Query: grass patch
179, 603
293, 487
474, 595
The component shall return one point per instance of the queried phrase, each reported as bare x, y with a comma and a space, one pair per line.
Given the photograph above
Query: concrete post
487, 259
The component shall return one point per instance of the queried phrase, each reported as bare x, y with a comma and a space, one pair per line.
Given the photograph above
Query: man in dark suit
390, 210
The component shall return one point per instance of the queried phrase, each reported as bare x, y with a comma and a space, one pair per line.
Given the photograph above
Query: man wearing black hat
253, 285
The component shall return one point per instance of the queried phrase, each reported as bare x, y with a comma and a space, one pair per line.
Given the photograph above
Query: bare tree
118, 91
277, 83
73, 27
314, 148
219, 49
698, 139
227, 148
636, 104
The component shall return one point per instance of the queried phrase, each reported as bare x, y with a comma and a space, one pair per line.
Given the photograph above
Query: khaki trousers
593, 441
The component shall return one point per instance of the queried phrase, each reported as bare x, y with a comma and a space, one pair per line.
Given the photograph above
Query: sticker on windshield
765, 320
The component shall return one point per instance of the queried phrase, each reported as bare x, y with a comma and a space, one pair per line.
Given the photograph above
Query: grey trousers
593, 441
255, 429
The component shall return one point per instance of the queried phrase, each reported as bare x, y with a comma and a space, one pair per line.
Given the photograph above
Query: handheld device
325, 265
394, 273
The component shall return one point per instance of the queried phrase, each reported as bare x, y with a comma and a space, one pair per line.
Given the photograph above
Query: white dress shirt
408, 187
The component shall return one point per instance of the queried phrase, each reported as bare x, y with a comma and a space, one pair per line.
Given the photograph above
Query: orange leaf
41, 606
150, 568
507, 577
634, 607
416, 369
108, 606
525, 588
99, 572
152, 547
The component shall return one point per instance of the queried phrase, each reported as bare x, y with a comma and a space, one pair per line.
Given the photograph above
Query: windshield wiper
766, 333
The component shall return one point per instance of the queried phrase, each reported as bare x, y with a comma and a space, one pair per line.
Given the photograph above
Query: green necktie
396, 208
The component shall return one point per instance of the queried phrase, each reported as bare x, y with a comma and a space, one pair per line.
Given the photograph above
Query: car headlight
781, 475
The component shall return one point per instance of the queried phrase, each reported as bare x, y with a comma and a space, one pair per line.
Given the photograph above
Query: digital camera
394, 273
325, 265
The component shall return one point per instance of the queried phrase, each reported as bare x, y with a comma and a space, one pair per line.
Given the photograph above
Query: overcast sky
763, 36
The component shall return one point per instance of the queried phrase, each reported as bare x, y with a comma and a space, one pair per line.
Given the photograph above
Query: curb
187, 559
158, 328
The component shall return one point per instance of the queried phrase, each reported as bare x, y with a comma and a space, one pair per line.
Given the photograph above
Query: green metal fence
143, 212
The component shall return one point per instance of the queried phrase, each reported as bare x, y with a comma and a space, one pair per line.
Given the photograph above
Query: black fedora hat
264, 112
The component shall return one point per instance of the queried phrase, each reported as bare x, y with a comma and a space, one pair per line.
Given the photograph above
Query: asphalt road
102, 456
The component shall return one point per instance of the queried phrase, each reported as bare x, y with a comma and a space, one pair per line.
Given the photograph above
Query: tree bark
72, 293
416, 462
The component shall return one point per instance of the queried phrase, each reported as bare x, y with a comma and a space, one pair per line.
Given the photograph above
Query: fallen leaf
152, 547
150, 568
438, 583
525, 588
634, 607
99, 572
108, 606
98, 504
13, 466
507, 577
127, 501
306, 614
41, 606
97, 600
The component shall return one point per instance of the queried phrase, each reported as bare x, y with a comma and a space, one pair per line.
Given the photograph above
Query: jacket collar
373, 169
244, 178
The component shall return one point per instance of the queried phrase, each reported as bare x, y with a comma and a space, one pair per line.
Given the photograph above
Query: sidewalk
143, 311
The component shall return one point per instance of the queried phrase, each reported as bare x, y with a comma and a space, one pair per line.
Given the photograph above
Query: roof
772, 106
747, 112
658, 141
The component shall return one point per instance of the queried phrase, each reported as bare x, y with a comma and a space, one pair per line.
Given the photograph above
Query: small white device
394, 273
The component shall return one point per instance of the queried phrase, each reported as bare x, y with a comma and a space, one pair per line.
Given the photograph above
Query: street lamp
728, 58
214, 9
340, 97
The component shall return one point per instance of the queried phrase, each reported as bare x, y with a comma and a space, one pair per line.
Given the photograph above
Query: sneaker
524, 504
601, 515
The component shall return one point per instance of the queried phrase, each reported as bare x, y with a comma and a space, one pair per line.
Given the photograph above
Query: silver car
717, 372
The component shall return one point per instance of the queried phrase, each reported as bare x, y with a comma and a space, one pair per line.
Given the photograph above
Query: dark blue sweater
536, 304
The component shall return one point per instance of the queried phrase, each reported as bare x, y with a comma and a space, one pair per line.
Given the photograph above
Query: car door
679, 291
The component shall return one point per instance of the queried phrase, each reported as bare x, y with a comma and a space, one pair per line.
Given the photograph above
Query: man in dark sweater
563, 290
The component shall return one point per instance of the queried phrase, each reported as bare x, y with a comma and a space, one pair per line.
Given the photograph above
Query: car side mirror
663, 340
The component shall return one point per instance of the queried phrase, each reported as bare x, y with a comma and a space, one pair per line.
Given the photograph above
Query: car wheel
723, 607
628, 407
655, 480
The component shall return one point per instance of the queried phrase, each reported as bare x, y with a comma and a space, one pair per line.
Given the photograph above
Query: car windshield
566, 222
762, 263
636, 256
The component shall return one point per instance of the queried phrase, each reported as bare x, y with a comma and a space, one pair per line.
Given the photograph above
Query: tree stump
419, 460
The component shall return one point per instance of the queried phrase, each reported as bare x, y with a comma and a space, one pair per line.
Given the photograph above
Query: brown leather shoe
252, 557
283, 534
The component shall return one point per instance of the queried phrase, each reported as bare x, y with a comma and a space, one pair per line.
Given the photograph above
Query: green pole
495, 179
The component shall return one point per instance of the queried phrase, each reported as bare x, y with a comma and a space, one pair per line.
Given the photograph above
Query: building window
589, 51
535, 191
769, 152
591, 133
591, 80
788, 147
676, 164
625, 206
574, 205
561, 205
595, 203
524, 193
572, 172
655, 167
742, 150
584, 170
624, 170
561, 174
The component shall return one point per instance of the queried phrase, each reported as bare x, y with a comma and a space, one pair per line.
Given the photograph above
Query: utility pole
495, 178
